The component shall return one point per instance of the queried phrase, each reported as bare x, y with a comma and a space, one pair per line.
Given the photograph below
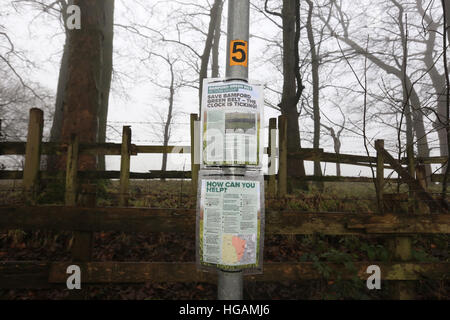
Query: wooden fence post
72, 171
379, 144
420, 192
33, 155
271, 151
83, 242
400, 247
421, 175
82, 245
195, 149
401, 250
125, 166
282, 151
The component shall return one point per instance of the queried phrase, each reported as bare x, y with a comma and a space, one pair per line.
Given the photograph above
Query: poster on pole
230, 222
231, 120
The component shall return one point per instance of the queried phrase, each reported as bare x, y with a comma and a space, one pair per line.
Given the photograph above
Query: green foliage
375, 252
339, 287
103, 189
422, 256
53, 192
341, 281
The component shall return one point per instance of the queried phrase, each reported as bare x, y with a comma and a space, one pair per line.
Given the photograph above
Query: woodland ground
17, 245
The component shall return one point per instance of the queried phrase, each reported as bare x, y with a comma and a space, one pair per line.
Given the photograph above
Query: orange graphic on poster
239, 245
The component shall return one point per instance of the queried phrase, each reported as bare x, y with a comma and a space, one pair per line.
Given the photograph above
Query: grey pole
230, 284
238, 29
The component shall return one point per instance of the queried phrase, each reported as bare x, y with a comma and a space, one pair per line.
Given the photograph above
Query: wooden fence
276, 181
81, 216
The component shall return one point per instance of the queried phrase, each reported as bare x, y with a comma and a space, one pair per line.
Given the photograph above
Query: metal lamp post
230, 284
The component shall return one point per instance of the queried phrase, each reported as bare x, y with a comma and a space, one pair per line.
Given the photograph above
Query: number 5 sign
239, 53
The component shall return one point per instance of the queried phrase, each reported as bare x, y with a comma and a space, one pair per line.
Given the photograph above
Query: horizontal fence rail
26, 274
49, 148
183, 221
158, 174
154, 174
309, 154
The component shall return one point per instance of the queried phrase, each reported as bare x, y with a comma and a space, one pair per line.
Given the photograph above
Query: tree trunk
423, 149
337, 150
409, 133
107, 66
447, 18
169, 115
446, 31
437, 79
55, 131
207, 49
82, 96
289, 98
216, 44
315, 88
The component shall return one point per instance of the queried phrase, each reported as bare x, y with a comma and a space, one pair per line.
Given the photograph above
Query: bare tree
183, 21
336, 136
58, 9
18, 93
437, 78
83, 94
15, 103
396, 70
106, 76
216, 43
215, 13
315, 64
292, 81
167, 119
10, 57
446, 36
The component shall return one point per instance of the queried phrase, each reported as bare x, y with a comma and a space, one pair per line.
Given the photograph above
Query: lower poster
230, 221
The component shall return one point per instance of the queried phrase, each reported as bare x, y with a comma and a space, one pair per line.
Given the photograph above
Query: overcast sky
136, 100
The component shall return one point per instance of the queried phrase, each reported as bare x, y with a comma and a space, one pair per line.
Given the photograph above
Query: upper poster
232, 113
